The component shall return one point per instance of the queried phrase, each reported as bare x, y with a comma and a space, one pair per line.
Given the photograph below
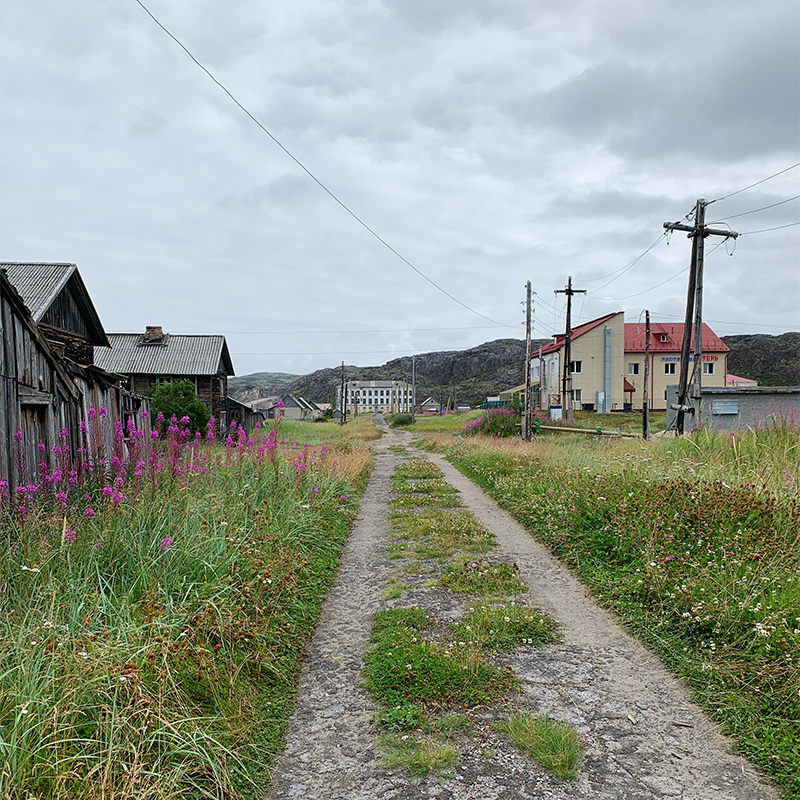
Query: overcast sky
487, 142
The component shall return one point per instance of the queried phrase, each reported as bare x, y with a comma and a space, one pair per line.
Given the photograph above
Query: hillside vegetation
770, 360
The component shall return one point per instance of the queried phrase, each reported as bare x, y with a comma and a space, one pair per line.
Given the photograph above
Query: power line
756, 210
630, 264
672, 277
767, 230
335, 353
757, 183
382, 330
728, 322
310, 174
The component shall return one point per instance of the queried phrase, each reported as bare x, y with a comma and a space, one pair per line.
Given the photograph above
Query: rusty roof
175, 355
39, 283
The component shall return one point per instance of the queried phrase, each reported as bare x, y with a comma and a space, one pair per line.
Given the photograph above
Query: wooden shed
37, 396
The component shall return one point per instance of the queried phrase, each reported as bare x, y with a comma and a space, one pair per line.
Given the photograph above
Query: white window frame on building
669, 368
576, 367
708, 368
633, 368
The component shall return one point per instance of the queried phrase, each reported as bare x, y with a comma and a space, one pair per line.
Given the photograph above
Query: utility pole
413, 385
566, 381
343, 403
526, 423
689, 397
646, 390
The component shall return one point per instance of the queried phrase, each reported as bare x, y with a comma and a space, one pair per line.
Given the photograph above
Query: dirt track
643, 737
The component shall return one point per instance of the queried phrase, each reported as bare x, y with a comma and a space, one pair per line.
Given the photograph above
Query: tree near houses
179, 399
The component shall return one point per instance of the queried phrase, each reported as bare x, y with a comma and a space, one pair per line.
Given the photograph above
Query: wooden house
56, 300
38, 399
152, 357
60, 306
242, 414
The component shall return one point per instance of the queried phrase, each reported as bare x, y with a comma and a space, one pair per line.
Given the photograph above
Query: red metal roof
673, 333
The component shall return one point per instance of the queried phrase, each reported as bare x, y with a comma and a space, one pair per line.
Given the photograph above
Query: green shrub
401, 421
179, 399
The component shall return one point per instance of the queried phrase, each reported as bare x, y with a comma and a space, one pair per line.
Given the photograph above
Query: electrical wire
767, 230
310, 174
722, 321
335, 353
757, 183
383, 330
672, 277
756, 210
630, 264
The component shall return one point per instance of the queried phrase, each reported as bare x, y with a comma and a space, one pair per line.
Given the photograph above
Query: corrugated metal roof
673, 333
178, 355
40, 283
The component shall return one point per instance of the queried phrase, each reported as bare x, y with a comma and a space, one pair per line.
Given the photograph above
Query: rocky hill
259, 387
770, 360
458, 376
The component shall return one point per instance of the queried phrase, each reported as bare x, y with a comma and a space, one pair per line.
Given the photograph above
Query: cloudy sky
488, 143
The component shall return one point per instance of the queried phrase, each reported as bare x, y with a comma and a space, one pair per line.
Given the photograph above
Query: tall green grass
695, 544
156, 655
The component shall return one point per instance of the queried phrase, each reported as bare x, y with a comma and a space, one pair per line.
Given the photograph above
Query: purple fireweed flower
70, 537
18, 436
166, 543
89, 512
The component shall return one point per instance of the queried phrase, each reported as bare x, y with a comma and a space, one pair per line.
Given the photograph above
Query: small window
576, 367
708, 368
663, 337
577, 395
669, 368
633, 369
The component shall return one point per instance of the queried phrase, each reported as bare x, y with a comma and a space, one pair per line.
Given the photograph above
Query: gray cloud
490, 143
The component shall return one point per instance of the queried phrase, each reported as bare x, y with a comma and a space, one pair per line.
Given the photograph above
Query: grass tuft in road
403, 665
434, 533
556, 746
483, 577
505, 626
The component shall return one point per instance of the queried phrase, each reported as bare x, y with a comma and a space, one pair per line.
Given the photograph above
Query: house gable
60, 304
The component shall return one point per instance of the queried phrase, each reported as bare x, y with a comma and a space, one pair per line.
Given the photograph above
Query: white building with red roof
607, 364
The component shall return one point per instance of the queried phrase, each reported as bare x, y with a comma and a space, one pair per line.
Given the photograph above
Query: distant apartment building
389, 397
607, 364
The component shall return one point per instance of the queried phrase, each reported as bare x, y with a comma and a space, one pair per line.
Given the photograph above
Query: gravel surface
643, 738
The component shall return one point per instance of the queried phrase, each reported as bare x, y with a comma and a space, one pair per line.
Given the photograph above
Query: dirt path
643, 737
